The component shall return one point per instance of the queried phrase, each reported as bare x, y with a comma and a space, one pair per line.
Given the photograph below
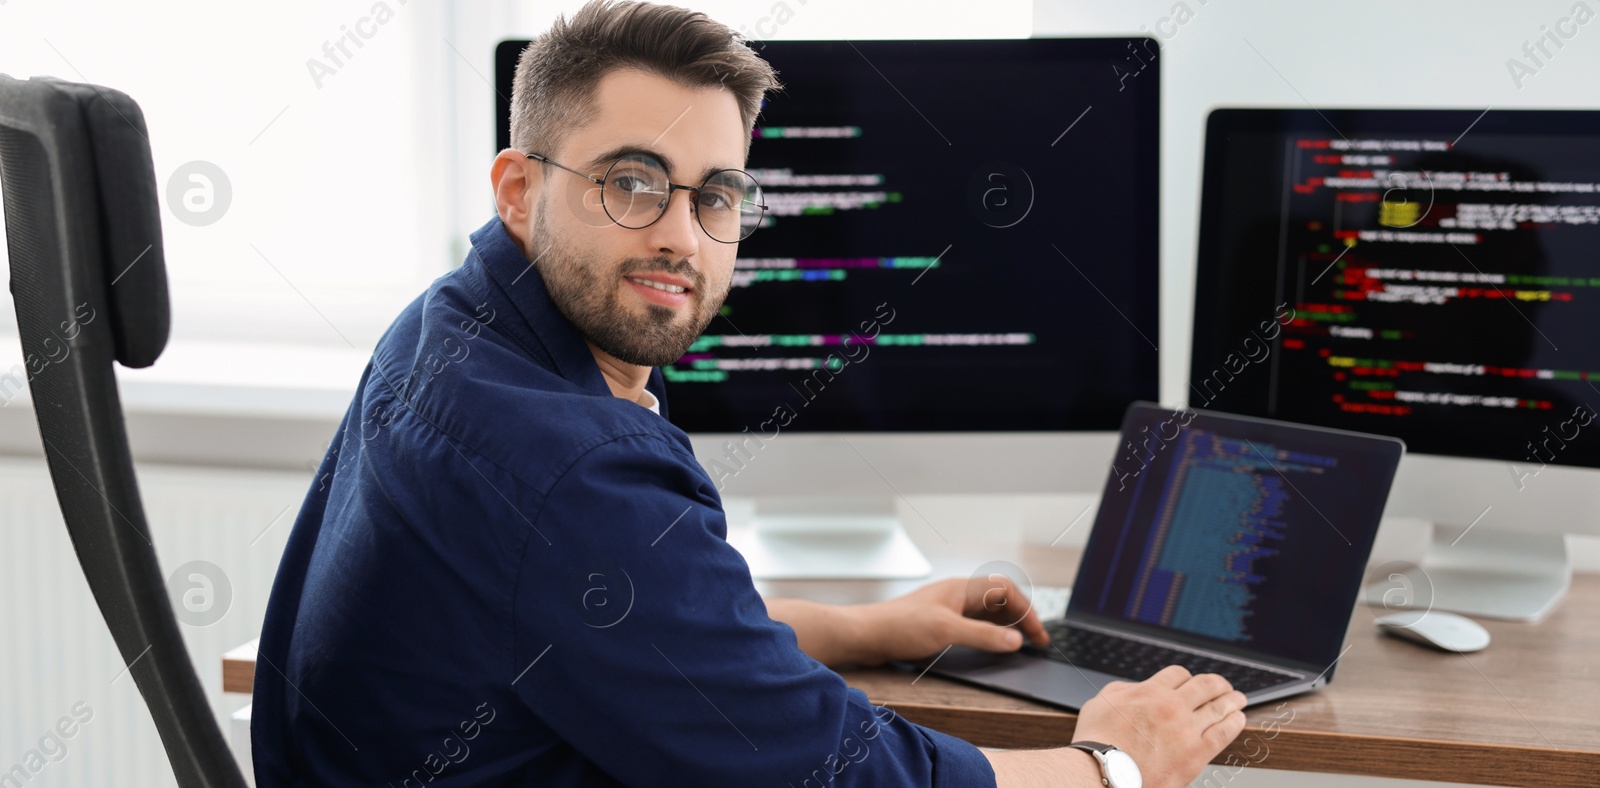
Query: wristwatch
1117, 769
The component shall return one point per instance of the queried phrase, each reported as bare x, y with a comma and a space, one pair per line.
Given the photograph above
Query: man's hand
990, 613
1171, 724
985, 613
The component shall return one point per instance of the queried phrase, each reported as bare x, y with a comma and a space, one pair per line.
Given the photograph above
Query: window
296, 155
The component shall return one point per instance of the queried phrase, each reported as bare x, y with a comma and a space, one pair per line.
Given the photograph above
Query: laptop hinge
1184, 647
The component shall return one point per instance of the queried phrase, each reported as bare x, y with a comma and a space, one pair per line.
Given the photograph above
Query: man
512, 571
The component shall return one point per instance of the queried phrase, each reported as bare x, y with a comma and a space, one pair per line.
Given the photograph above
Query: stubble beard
588, 293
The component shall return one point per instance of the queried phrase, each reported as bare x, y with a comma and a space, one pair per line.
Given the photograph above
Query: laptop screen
1239, 533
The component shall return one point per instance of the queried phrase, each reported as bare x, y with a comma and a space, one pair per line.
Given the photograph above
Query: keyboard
1136, 660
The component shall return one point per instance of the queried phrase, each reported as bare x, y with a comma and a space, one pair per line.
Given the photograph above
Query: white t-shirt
655, 404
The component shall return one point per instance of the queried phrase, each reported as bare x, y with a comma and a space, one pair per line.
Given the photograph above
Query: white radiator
57, 659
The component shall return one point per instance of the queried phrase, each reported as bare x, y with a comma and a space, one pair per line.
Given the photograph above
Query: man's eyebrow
605, 159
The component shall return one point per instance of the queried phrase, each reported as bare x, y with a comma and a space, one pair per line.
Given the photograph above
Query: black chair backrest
83, 227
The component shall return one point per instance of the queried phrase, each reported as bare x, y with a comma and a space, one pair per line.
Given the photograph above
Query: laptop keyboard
1137, 661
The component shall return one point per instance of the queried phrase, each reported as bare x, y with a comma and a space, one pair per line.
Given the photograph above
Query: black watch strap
1098, 751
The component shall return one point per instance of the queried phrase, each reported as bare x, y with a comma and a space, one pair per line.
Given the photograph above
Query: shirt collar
655, 403
496, 253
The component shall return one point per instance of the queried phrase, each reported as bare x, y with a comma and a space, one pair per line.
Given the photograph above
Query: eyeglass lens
728, 204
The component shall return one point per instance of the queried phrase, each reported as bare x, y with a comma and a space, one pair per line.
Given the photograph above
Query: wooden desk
1525, 711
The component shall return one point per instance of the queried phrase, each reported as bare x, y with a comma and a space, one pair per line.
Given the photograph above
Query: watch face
1122, 771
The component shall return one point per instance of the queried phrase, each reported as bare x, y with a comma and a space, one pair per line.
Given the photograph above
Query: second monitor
1435, 270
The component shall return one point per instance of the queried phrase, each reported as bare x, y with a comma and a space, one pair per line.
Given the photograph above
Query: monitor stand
1487, 573
828, 538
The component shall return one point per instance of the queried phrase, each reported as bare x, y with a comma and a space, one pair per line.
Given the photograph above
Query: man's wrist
831, 634
1083, 767
1053, 767
1114, 767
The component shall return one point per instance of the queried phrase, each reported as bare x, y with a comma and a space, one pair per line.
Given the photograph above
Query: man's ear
516, 183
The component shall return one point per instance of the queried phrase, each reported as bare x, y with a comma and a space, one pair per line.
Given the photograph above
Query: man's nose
677, 233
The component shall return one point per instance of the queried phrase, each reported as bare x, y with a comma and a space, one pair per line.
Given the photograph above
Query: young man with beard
512, 571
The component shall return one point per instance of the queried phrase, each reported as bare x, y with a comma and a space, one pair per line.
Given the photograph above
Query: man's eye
630, 184
716, 201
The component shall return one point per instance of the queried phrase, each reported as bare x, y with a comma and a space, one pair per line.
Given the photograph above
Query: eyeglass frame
665, 203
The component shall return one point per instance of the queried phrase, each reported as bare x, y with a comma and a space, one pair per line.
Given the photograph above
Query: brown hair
559, 71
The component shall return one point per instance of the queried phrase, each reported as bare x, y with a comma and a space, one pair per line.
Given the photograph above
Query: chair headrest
132, 270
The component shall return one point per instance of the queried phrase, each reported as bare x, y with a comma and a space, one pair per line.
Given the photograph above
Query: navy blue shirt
505, 575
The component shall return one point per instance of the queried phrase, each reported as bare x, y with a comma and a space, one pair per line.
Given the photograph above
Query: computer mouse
1446, 631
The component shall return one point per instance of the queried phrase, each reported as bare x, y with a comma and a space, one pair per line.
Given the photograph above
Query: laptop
1226, 544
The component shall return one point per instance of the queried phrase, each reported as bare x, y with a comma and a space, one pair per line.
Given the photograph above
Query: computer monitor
954, 290
1426, 274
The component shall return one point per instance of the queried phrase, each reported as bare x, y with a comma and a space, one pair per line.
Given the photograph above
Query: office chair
83, 227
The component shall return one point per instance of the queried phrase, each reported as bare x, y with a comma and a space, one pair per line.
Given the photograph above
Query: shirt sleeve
639, 638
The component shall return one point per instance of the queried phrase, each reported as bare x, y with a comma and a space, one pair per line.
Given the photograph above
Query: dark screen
962, 235
1237, 533
1439, 267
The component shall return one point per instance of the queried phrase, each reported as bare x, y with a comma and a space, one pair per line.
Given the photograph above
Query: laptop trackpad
1029, 675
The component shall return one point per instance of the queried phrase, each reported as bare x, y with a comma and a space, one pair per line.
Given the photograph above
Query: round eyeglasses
634, 192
